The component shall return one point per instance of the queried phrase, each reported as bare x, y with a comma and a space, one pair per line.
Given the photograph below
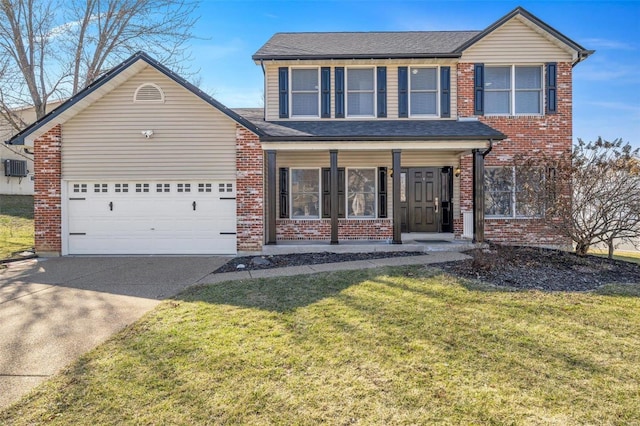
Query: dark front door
423, 190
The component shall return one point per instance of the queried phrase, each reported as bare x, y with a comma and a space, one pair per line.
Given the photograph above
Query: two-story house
363, 136
370, 135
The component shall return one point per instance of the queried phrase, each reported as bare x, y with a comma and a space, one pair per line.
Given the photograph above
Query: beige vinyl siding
272, 95
516, 42
368, 159
191, 139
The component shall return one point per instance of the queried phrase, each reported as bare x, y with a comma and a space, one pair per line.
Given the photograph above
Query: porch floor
423, 242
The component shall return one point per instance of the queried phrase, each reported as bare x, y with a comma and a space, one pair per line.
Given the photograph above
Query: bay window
305, 93
360, 92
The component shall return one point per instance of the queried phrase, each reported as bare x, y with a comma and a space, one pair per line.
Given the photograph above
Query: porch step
288, 247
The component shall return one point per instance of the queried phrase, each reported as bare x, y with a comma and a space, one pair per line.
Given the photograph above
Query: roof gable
520, 15
402, 45
105, 84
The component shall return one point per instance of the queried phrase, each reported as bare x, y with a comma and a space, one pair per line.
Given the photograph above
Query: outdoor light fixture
147, 133
456, 172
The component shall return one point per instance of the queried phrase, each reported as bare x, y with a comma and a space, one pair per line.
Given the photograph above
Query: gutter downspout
478, 193
264, 90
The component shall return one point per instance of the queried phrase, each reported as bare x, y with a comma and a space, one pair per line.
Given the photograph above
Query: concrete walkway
54, 310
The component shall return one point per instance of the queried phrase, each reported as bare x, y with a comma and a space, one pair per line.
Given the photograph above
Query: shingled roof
367, 130
377, 45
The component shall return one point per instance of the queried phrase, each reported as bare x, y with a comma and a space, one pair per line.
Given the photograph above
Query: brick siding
250, 191
320, 230
47, 201
527, 135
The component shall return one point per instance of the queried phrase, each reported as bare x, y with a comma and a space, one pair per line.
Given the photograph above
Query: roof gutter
377, 138
582, 55
452, 55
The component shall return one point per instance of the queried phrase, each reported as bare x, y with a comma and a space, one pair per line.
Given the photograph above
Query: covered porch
393, 193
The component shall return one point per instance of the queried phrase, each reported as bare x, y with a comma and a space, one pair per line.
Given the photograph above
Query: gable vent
148, 92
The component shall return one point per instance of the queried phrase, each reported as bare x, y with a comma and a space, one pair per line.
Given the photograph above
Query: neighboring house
364, 136
17, 174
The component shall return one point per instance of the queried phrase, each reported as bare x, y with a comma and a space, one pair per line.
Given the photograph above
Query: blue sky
606, 86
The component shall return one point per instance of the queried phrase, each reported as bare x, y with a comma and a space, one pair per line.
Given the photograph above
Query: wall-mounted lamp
457, 172
147, 133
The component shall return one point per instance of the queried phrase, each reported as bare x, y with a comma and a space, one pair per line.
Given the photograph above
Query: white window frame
437, 91
512, 90
346, 92
291, 92
297, 217
514, 197
375, 193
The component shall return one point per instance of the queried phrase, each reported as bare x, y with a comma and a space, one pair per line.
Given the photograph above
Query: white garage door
151, 217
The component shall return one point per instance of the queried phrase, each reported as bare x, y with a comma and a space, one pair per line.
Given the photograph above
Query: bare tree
53, 48
591, 197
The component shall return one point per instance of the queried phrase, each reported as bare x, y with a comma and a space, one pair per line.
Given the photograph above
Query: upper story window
305, 99
513, 90
423, 91
360, 92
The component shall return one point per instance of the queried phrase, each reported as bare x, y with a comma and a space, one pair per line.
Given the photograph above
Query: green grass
388, 346
627, 256
16, 224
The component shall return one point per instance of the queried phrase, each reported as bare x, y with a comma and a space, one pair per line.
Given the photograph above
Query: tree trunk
610, 245
582, 248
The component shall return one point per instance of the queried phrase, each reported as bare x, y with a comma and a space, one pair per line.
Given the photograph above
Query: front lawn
627, 256
388, 346
16, 224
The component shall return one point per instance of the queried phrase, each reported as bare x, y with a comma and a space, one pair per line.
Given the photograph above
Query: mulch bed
251, 263
526, 268
542, 269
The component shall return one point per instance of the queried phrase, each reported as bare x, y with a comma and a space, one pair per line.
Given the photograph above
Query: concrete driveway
54, 310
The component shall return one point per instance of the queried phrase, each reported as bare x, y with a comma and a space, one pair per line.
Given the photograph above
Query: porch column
333, 172
478, 196
271, 197
397, 213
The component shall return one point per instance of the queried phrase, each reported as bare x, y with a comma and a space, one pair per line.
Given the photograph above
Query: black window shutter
552, 88
339, 71
403, 92
382, 91
284, 193
445, 92
382, 192
283, 89
478, 89
325, 89
326, 192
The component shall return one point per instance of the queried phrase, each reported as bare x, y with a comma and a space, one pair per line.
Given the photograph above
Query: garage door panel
108, 222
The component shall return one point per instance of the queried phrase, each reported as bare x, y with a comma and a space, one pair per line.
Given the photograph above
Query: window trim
437, 91
514, 197
375, 194
512, 91
374, 91
317, 92
293, 216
